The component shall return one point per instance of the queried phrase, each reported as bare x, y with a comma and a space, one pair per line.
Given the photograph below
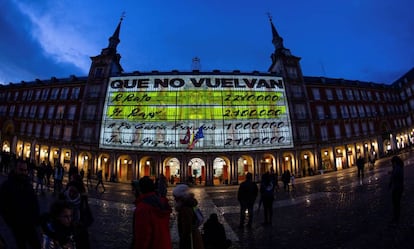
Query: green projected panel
196, 113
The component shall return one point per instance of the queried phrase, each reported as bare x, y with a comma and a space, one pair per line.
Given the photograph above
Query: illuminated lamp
148, 162
287, 158
326, 152
305, 156
86, 157
125, 161
105, 159
67, 154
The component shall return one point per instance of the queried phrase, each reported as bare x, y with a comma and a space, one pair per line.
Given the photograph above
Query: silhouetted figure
360, 165
19, 207
214, 235
100, 180
246, 195
267, 190
397, 187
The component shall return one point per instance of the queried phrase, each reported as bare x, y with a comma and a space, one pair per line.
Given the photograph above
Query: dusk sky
367, 40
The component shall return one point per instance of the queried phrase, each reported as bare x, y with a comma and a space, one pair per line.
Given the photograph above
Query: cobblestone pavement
325, 211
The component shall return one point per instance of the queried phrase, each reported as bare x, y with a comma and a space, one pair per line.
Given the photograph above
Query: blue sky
367, 40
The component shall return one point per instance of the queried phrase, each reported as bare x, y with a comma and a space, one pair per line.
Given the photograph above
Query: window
371, 127
33, 111
304, 133
16, 96
357, 95
378, 96
51, 112
348, 130
24, 95
38, 93
349, 94
3, 110
344, 111
26, 111
93, 91
329, 94
54, 94
30, 95
56, 131
324, 133
320, 111
339, 94
361, 111
12, 110
367, 110
60, 112
90, 112
297, 91
22, 127
337, 130
72, 112
29, 129
98, 72
64, 93
41, 112
45, 93
356, 129
353, 110
67, 133
46, 131
20, 112
292, 72
332, 110
316, 94
38, 129
364, 128
75, 93
300, 111
87, 134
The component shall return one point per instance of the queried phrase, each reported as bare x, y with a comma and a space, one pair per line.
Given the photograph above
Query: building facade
319, 124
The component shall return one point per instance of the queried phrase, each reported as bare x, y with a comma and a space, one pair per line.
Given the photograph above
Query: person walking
100, 181
246, 195
151, 218
40, 175
89, 179
60, 231
396, 185
19, 207
188, 232
214, 235
267, 190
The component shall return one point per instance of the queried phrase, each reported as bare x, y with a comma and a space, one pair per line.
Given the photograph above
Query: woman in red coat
151, 218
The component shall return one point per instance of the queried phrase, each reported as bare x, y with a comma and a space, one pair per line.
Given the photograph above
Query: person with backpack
214, 235
187, 221
267, 190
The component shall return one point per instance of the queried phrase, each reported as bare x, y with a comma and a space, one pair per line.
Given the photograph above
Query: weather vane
122, 15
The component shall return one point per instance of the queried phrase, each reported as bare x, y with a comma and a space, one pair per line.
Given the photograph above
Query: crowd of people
66, 223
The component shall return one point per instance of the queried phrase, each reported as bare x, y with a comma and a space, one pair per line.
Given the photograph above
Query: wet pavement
332, 210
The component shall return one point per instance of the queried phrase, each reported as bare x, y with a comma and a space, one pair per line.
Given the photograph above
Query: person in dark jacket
19, 207
397, 186
214, 235
246, 195
151, 218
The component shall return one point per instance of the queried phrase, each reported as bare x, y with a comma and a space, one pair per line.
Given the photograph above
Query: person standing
267, 190
100, 181
188, 232
246, 195
151, 218
58, 178
19, 207
396, 185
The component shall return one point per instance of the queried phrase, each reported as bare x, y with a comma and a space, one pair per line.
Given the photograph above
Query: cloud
60, 38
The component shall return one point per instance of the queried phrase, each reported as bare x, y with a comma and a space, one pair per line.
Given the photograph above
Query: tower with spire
286, 65
103, 66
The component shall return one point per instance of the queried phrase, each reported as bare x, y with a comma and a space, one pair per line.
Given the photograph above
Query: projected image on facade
196, 112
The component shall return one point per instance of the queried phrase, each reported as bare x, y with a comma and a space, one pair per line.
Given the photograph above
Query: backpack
199, 216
